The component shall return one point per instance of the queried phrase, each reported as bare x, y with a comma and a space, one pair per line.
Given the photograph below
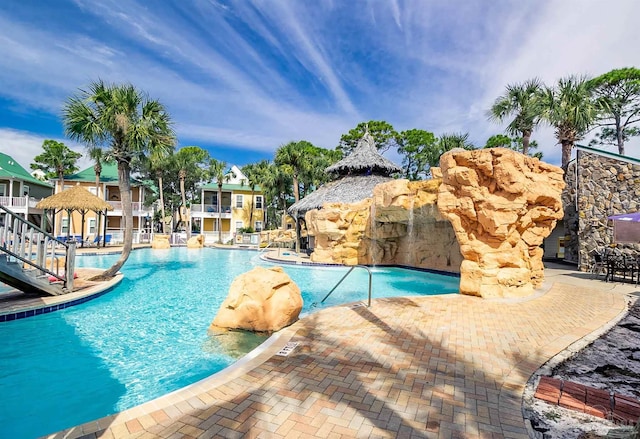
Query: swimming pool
148, 336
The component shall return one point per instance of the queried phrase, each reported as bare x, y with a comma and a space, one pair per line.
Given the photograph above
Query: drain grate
356, 305
287, 349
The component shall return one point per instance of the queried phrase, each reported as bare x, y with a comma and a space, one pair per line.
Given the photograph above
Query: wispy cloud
253, 75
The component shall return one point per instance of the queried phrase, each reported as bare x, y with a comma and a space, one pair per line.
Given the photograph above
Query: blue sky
241, 78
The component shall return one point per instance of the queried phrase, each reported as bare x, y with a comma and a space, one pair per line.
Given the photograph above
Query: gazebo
357, 175
76, 199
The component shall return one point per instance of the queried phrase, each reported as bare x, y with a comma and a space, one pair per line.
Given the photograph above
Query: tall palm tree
447, 142
294, 158
568, 108
217, 173
127, 124
98, 156
277, 187
56, 160
158, 162
523, 101
253, 178
189, 159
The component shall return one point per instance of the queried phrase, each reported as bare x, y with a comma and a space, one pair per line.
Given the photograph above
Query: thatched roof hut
359, 172
76, 198
365, 159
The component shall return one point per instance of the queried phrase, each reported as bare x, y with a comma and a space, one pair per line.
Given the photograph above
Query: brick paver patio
448, 367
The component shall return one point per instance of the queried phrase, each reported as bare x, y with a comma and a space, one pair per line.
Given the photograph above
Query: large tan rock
263, 300
399, 225
501, 204
196, 241
160, 242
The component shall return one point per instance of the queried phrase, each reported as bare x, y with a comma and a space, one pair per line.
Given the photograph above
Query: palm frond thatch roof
349, 189
76, 198
365, 158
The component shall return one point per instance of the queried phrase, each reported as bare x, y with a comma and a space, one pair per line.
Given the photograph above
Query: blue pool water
148, 336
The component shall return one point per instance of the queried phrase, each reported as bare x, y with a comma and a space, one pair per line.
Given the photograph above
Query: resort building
109, 191
20, 191
240, 207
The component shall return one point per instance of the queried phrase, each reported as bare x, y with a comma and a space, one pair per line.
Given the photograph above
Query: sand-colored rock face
399, 225
160, 242
195, 242
501, 205
263, 299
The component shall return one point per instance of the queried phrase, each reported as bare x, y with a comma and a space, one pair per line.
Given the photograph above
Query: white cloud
24, 146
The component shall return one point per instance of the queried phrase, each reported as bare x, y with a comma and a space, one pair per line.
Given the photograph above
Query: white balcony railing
18, 204
136, 206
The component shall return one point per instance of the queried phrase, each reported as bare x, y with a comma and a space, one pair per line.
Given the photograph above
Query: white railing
18, 203
212, 237
209, 208
136, 206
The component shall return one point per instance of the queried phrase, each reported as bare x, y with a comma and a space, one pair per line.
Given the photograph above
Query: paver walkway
449, 366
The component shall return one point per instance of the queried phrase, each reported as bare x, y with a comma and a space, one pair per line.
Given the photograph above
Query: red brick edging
596, 402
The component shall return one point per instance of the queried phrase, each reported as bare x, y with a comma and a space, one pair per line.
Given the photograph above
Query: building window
239, 225
3, 189
239, 201
259, 202
64, 226
91, 226
25, 190
258, 226
93, 190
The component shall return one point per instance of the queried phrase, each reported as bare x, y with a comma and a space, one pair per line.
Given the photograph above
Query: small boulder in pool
261, 300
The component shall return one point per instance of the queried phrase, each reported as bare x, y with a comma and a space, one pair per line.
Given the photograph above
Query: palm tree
253, 177
294, 158
217, 173
568, 108
126, 124
447, 142
522, 101
189, 159
277, 187
98, 156
158, 162
56, 160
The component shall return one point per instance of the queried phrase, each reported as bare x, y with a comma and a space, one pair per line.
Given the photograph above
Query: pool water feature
148, 336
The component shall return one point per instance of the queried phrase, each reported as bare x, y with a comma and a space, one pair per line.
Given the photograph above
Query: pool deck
448, 366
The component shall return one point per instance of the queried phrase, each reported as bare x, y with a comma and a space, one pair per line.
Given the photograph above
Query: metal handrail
345, 276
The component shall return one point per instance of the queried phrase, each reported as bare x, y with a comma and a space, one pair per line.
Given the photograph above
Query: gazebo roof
365, 158
349, 189
75, 198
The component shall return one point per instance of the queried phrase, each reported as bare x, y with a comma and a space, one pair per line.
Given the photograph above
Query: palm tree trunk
567, 145
184, 206
220, 212
619, 137
161, 202
296, 188
526, 138
125, 195
98, 214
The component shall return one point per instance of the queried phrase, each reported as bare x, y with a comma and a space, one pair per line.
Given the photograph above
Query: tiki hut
357, 175
75, 199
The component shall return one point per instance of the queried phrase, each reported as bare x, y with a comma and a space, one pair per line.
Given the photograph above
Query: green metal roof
231, 187
9, 168
109, 174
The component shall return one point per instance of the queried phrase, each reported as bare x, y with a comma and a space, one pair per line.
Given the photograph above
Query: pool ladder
345, 276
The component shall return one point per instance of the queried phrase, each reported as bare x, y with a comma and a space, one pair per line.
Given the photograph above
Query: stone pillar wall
605, 187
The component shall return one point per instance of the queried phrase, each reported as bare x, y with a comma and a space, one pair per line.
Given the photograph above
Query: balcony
137, 207
210, 211
21, 205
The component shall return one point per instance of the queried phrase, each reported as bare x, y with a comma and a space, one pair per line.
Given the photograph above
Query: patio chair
93, 242
598, 265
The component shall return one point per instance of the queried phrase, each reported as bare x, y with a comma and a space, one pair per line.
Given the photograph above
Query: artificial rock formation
501, 204
196, 241
262, 300
399, 225
160, 242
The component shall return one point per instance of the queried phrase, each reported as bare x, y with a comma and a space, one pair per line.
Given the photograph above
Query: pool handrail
345, 276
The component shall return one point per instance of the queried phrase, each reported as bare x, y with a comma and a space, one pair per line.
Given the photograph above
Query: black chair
598, 265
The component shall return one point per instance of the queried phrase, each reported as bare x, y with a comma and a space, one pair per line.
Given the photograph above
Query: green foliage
418, 148
382, 132
568, 108
56, 160
246, 230
617, 101
523, 102
295, 159
450, 141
